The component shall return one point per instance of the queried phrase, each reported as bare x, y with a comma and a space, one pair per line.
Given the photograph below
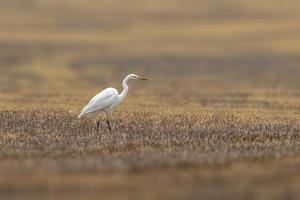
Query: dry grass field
219, 118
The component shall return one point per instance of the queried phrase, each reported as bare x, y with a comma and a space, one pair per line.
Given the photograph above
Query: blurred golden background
187, 48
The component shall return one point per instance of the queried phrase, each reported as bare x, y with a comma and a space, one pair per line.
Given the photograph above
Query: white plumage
107, 99
104, 101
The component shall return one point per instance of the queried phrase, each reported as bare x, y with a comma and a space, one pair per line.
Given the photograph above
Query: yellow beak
142, 78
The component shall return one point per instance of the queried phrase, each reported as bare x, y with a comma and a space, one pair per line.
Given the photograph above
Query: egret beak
142, 78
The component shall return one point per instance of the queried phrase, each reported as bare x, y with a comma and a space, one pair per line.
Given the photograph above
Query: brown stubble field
219, 118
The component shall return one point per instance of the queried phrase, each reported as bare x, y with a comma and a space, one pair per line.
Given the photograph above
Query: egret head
133, 76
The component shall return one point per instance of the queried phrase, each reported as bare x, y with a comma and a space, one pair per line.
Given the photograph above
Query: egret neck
125, 88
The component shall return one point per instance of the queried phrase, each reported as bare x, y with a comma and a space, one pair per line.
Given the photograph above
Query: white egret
107, 100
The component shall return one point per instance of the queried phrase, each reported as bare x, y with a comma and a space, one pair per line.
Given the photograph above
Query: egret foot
108, 125
97, 128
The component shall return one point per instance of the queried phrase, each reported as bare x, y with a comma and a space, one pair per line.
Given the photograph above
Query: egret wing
101, 102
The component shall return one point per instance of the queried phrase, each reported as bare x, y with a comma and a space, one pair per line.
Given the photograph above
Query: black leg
108, 125
98, 123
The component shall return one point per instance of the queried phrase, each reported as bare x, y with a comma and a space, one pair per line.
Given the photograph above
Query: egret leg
108, 125
97, 128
